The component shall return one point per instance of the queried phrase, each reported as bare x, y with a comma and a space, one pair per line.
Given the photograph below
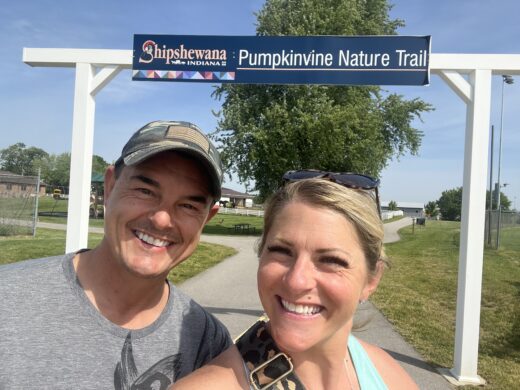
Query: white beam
466, 63
103, 77
458, 84
70, 57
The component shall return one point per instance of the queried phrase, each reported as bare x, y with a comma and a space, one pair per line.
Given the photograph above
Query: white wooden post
469, 288
107, 63
81, 159
87, 85
477, 95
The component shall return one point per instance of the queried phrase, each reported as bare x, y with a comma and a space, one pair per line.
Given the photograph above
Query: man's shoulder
182, 301
31, 268
30, 264
191, 310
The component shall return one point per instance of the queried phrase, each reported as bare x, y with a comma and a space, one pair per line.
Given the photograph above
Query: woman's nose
301, 275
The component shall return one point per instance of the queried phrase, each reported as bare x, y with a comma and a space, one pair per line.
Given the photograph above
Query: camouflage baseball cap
160, 136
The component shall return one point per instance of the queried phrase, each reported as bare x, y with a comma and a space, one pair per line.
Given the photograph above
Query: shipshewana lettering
171, 55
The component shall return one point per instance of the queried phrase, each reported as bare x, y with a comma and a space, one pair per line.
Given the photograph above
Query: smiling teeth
300, 309
151, 240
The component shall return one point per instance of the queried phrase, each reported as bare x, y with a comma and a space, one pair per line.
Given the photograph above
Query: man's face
155, 212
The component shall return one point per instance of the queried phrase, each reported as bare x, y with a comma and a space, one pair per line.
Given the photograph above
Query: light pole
490, 209
506, 79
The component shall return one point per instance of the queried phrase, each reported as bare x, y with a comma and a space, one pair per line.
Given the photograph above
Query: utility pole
490, 210
506, 79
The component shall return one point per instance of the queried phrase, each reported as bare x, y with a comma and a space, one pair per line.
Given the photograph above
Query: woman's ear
373, 281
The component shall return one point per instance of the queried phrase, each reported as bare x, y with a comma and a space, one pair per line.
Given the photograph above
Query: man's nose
162, 218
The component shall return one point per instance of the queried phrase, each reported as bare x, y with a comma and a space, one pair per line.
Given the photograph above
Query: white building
410, 209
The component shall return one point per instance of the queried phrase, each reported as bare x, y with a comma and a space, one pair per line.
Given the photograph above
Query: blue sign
337, 60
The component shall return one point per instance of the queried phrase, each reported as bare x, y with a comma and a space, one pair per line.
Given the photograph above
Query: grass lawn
52, 242
223, 224
418, 295
49, 204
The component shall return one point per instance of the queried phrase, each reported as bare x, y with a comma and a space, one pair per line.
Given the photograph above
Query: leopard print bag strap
270, 369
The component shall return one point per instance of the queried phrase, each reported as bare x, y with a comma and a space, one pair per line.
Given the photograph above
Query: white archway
96, 68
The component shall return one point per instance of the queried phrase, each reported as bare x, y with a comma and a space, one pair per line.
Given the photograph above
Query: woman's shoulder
394, 376
225, 372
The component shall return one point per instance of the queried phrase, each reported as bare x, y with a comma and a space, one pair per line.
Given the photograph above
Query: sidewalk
228, 290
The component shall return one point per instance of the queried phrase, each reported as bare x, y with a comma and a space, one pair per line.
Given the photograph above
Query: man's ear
110, 180
212, 212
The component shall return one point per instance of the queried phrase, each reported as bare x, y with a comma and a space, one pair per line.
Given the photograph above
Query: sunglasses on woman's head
346, 179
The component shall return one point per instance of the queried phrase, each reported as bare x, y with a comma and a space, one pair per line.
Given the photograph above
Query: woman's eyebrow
328, 250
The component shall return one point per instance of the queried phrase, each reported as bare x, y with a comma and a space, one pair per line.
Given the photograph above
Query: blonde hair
357, 206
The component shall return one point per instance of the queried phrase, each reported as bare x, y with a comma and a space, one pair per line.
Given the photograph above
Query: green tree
392, 205
505, 203
431, 209
19, 158
450, 204
99, 165
55, 168
265, 130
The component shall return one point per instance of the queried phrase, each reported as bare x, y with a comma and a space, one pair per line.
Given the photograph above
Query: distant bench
243, 228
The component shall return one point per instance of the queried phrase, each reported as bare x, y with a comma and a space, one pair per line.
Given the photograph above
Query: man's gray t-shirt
52, 337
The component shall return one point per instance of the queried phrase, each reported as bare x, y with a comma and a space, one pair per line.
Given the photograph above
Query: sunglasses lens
301, 175
355, 180
350, 180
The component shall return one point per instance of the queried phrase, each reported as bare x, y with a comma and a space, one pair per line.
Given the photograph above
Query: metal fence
241, 211
507, 219
17, 214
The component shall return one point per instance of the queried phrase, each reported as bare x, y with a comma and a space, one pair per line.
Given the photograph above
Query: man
107, 317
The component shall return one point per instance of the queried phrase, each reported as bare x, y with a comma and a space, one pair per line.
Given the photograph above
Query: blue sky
36, 103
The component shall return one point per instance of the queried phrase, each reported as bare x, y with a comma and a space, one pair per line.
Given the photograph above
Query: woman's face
311, 275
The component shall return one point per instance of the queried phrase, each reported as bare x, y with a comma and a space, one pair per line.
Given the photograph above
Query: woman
321, 255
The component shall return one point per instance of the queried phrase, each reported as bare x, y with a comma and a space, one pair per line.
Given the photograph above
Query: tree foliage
392, 205
54, 168
99, 165
450, 203
265, 130
505, 203
431, 209
19, 159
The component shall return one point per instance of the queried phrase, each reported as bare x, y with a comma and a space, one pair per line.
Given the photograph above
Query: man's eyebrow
146, 180
199, 199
